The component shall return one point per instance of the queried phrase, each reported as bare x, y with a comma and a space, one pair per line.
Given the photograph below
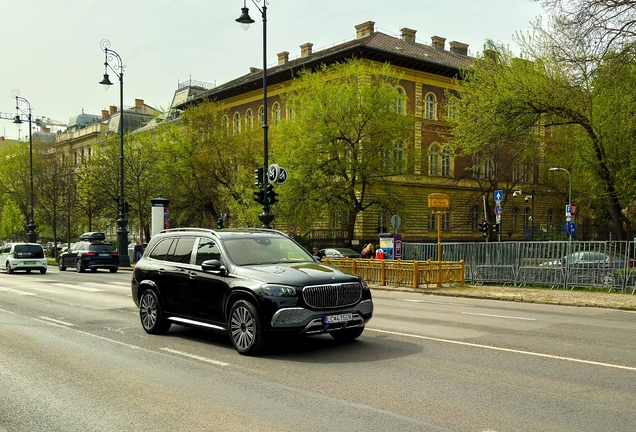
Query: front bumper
305, 321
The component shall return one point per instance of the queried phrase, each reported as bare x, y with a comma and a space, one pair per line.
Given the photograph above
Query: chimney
305, 49
408, 35
105, 114
283, 57
113, 109
365, 29
438, 42
139, 102
458, 48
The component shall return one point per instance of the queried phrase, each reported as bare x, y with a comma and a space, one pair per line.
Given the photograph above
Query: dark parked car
340, 253
91, 252
247, 283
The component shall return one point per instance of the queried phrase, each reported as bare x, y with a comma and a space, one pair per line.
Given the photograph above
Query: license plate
332, 319
105, 254
30, 263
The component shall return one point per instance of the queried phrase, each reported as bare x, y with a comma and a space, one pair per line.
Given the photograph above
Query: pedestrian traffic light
258, 176
496, 228
271, 194
484, 229
259, 196
219, 223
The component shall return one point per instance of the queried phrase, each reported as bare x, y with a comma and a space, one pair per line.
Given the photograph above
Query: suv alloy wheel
246, 328
60, 265
151, 314
78, 266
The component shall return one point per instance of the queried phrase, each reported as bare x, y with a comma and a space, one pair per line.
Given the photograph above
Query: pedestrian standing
379, 253
138, 251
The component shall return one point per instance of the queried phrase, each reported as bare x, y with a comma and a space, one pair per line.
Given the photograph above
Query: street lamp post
570, 192
32, 236
266, 217
122, 221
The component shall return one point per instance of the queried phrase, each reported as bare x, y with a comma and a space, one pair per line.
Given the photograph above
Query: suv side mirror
213, 266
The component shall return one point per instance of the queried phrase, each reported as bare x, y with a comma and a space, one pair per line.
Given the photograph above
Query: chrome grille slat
332, 295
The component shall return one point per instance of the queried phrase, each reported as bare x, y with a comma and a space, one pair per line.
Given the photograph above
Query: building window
474, 218
399, 102
522, 172
515, 219
432, 220
451, 108
75, 155
83, 158
226, 126
433, 160
446, 163
527, 173
398, 157
90, 152
489, 169
249, 119
516, 172
526, 219
429, 107
276, 113
260, 117
291, 112
237, 123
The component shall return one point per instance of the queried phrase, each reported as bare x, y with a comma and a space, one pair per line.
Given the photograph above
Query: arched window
291, 112
237, 123
399, 102
474, 218
451, 108
446, 163
226, 125
90, 152
249, 119
260, 117
398, 156
515, 218
429, 107
433, 160
276, 113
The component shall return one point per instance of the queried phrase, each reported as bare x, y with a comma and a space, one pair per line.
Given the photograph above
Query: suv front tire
246, 328
151, 313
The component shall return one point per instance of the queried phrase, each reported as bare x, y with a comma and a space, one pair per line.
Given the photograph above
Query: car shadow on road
369, 347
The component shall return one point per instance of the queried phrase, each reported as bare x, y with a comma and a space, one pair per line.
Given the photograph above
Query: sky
51, 51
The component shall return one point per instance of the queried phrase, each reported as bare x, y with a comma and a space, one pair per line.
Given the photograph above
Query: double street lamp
570, 192
122, 221
19, 100
266, 217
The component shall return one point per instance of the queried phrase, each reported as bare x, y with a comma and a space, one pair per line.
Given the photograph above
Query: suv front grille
334, 295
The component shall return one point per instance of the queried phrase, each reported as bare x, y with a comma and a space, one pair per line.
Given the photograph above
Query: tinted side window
207, 250
183, 252
101, 248
161, 249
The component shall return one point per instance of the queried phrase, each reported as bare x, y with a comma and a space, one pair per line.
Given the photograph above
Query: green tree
503, 99
12, 221
344, 142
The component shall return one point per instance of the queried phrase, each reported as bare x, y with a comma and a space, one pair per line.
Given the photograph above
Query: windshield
265, 250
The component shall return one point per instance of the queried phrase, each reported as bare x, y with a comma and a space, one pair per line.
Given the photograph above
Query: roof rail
185, 229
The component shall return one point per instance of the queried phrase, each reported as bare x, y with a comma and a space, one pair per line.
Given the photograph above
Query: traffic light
259, 196
484, 229
496, 228
258, 176
219, 223
271, 194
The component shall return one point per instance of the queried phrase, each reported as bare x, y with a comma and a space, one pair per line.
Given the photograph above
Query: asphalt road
73, 357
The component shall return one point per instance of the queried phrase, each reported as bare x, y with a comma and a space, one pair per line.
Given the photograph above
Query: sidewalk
600, 299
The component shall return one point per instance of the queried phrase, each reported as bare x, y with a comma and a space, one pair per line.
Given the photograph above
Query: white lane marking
196, 357
56, 321
77, 287
109, 285
135, 347
9, 312
499, 316
17, 292
506, 350
125, 284
438, 303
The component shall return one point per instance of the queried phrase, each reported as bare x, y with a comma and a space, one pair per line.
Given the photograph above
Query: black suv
90, 252
248, 283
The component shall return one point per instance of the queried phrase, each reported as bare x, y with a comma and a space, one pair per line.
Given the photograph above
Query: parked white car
22, 256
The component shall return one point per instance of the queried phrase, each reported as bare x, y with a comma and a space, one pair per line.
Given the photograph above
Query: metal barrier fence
405, 273
603, 264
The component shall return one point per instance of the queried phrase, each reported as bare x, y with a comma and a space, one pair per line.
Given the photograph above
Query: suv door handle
161, 271
193, 275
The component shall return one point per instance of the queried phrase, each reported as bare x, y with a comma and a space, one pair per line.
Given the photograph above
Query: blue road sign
571, 228
567, 210
499, 195
498, 210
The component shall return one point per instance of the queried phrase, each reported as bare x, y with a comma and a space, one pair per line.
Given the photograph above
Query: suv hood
296, 274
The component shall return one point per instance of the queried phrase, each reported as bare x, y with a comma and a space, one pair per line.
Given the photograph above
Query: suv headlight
278, 290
